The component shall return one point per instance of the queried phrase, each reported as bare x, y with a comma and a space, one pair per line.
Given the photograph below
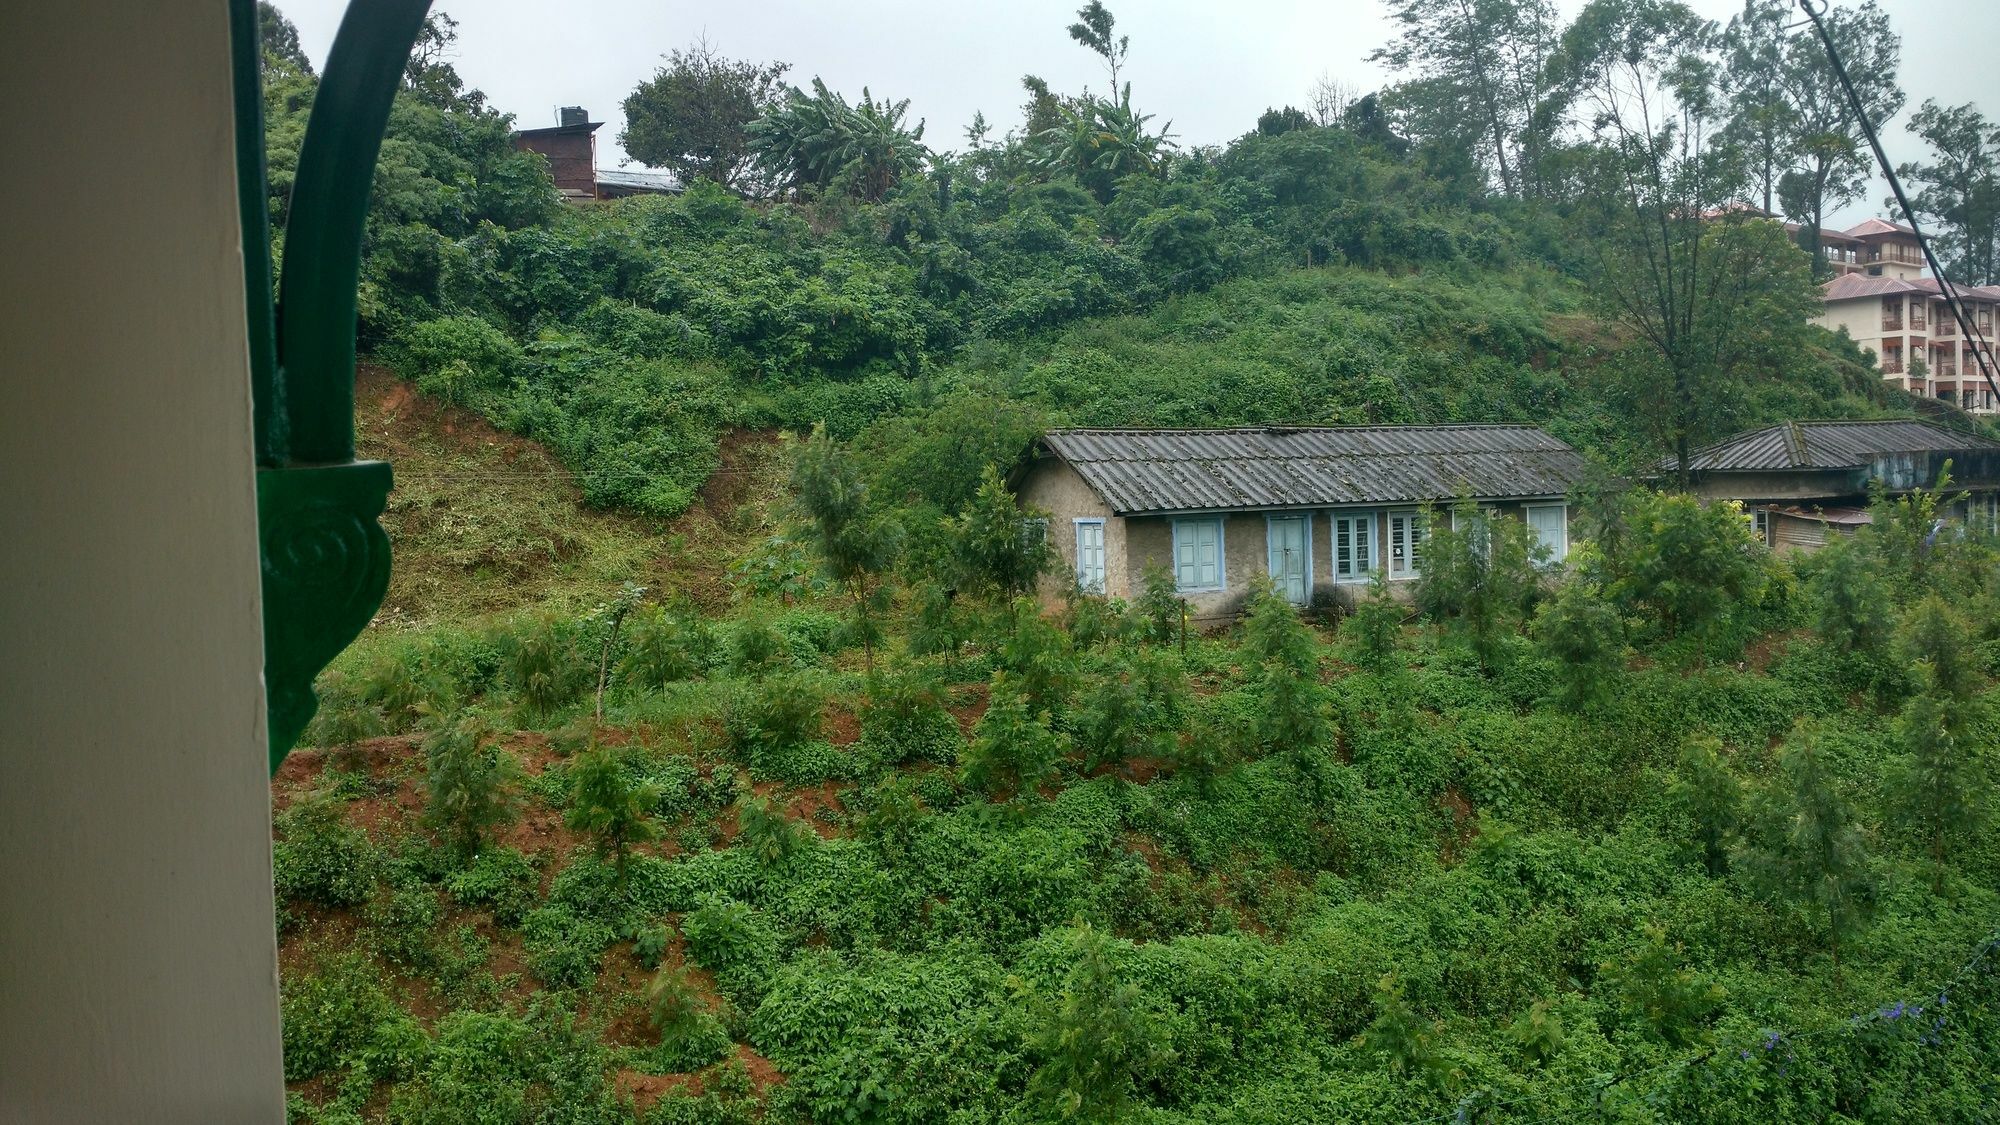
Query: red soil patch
803, 804
842, 726
1138, 771
645, 1089
1766, 649
764, 1073
1464, 823
967, 703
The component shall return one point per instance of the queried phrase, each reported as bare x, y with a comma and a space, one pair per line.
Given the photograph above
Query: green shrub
736, 943
1012, 747
339, 1016
663, 647
903, 719
320, 858
472, 1076
460, 359
546, 667
501, 879
564, 948
469, 781
404, 919
612, 805
777, 715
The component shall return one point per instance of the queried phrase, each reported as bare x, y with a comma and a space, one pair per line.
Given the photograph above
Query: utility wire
1815, 11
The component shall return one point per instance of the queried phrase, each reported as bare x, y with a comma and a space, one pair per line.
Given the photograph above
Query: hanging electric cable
1982, 354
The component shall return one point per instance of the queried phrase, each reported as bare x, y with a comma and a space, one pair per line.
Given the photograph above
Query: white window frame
1307, 518
1221, 554
1760, 525
1561, 554
1371, 518
1417, 532
1103, 561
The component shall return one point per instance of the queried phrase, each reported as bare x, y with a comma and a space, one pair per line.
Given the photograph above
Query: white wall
138, 968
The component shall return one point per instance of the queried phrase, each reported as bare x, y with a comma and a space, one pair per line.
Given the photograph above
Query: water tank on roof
574, 115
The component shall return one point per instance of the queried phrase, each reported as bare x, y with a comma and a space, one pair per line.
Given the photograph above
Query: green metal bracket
325, 558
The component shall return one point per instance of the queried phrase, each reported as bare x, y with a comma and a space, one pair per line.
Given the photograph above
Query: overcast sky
1209, 67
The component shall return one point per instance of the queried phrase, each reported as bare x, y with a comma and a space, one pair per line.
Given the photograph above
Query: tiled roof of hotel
1853, 285
1138, 471
1870, 228
1831, 445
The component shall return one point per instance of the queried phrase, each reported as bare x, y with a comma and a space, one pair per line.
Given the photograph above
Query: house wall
1149, 542
1952, 369
1797, 533
1133, 544
138, 958
1052, 487
572, 158
1827, 487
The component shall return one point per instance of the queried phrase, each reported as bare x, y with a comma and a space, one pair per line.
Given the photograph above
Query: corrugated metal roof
1831, 445
1285, 467
637, 181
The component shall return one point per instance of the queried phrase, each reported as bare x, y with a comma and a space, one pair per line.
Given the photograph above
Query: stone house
1798, 481
1318, 509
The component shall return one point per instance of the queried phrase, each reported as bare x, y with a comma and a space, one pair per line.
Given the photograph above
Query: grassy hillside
486, 523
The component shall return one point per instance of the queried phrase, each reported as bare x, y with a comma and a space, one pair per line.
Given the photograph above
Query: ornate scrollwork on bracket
325, 567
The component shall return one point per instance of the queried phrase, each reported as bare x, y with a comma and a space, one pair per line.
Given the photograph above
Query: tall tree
1710, 297
1329, 98
1943, 791
1762, 122
1096, 28
1833, 162
429, 73
693, 115
1480, 69
1958, 188
282, 52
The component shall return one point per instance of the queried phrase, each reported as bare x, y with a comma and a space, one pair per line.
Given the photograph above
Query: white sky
1209, 68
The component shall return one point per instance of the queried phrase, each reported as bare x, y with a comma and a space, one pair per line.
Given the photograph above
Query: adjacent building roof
619, 181
1831, 445
1853, 285
1877, 228
574, 128
1141, 471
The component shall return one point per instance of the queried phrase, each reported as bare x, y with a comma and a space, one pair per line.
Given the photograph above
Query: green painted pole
324, 556
328, 215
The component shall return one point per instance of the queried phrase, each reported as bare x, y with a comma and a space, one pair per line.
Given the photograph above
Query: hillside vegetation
1687, 851
713, 763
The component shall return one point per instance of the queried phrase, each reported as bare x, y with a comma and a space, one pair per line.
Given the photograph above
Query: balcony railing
1892, 324
1892, 365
